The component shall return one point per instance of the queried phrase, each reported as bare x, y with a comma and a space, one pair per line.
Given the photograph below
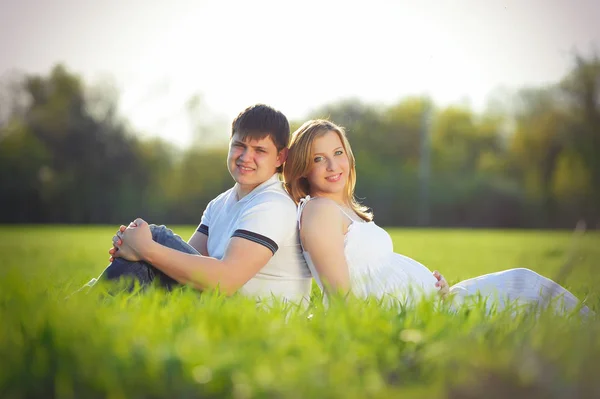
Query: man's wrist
149, 252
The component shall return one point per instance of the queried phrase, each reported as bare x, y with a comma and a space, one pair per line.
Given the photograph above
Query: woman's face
330, 167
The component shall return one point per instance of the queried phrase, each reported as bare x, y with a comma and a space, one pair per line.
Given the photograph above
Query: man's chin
244, 179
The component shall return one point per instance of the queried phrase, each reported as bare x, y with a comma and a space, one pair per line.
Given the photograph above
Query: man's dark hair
259, 121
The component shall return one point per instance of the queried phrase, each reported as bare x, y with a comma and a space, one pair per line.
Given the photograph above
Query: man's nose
245, 154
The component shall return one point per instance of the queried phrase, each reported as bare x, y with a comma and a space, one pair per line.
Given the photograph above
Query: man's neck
242, 191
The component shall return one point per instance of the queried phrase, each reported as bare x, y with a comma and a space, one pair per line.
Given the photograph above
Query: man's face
252, 162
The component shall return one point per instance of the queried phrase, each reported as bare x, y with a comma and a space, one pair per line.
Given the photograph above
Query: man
247, 240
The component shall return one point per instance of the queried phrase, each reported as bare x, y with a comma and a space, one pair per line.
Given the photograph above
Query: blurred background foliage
530, 160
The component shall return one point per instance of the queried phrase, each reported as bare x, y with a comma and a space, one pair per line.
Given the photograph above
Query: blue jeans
143, 272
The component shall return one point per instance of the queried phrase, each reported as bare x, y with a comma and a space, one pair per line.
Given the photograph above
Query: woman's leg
522, 286
143, 272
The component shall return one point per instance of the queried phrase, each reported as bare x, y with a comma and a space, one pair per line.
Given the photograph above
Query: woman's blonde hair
299, 162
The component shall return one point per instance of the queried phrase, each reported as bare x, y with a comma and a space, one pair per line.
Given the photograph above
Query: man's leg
144, 272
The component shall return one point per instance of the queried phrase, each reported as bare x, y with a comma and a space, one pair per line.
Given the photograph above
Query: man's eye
262, 151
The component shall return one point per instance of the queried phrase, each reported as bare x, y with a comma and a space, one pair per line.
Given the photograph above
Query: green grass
186, 344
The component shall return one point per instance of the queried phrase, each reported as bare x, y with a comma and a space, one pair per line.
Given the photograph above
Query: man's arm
259, 231
199, 241
243, 259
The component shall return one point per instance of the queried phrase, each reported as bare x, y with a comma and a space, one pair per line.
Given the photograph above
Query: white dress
377, 271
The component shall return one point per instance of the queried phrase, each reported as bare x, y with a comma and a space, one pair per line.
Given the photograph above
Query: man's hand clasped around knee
129, 242
116, 241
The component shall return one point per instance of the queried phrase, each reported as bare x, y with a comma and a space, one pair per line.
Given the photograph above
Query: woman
347, 252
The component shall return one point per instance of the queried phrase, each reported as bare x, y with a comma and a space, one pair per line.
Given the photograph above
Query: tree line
530, 160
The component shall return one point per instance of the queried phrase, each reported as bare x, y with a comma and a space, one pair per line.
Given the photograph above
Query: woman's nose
331, 165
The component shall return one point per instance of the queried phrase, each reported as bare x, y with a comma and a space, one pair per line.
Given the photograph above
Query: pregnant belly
394, 274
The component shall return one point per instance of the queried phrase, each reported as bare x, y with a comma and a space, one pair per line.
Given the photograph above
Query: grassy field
187, 345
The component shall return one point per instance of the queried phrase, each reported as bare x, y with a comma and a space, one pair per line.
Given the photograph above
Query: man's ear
283, 154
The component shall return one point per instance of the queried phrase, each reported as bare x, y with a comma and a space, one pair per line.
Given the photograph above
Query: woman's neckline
345, 209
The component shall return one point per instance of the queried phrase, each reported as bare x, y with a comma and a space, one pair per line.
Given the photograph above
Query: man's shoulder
221, 198
276, 195
273, 204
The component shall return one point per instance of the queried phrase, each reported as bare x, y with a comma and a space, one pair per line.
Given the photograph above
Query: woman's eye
339, 152
318, 159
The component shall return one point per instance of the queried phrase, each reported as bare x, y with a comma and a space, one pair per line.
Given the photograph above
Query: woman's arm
322, 231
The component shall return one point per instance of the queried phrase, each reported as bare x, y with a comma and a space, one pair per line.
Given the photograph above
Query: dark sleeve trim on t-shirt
203, 229
262, 240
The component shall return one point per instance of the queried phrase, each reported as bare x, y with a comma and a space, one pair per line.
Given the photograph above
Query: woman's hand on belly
442, 284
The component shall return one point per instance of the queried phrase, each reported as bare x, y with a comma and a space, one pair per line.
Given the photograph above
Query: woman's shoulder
320, 206
318, 212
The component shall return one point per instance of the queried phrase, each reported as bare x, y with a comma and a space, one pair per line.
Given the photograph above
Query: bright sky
298, 56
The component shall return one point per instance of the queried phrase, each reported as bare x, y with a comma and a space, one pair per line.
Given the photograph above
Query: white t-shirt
267, 216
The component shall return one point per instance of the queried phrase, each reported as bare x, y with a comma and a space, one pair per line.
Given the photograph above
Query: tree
581, 90
85, 151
